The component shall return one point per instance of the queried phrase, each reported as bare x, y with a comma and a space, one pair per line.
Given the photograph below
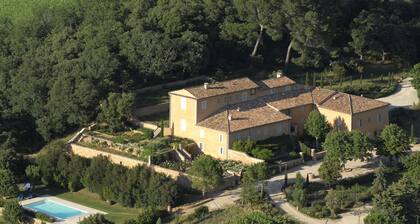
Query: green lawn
116, 212
2, 220
378, 80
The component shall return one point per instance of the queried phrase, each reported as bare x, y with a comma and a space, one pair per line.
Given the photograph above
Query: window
271, 91
368, 119
221, 150
379, 117
360, 123
280, 129
220, 138
183, 103
302, 109
252, 91
204, 105
244, 96
202, 133
339, 122
183, 125
201, 146
287, 88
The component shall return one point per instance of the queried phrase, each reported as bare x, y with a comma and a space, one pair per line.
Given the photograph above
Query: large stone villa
215, 115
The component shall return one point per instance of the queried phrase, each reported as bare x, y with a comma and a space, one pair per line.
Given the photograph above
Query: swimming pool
54, 209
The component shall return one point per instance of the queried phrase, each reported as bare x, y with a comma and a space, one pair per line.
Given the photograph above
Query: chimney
361, 95
230, 117
279, 74
238, 109
334, 98
206, 85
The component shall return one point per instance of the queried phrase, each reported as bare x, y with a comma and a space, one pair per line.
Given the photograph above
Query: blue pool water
54, 209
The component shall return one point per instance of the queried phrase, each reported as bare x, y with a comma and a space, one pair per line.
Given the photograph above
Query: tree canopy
59, 60
316, 125
206, 174
395, 142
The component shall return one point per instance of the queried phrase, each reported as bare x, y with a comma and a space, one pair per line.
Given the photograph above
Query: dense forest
58, 62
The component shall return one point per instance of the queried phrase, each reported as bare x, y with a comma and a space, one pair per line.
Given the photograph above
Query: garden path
227, 198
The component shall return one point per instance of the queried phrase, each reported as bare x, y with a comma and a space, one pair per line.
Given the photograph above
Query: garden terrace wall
180, 177
242, 157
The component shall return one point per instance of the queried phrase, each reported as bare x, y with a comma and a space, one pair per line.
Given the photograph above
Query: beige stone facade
215, 115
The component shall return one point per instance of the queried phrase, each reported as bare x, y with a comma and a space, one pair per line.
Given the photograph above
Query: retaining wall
180, 177
146, 125
290, 164
242, 157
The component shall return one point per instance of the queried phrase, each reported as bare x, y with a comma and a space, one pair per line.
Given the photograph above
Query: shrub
43, 217
262, 153
244, 146
147, 133
148, 216
305, 150
293, 155
201, 212
317, 210
95, 219
13, 212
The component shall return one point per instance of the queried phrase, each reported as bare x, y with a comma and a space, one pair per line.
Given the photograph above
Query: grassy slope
116, 212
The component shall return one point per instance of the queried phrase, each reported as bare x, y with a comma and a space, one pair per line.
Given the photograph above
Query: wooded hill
58, 61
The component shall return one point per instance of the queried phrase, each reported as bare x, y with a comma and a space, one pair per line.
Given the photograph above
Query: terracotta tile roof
351, 104
278, 82
220, 88
251, 114
320, 95
361, 104
340, 102
288, 100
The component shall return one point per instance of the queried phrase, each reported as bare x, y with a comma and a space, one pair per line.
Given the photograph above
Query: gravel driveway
405, 96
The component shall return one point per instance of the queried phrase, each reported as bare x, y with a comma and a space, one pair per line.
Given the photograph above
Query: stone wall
318, 155
242, 157
290, 164
146, 125
180, 177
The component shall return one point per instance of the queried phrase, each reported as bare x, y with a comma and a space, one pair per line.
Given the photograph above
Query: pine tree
379, 184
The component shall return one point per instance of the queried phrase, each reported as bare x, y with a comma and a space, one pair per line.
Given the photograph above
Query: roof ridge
228, 121
267, 104
351, 104
328, 97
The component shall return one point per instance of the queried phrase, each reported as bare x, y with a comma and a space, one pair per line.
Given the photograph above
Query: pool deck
73, 220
